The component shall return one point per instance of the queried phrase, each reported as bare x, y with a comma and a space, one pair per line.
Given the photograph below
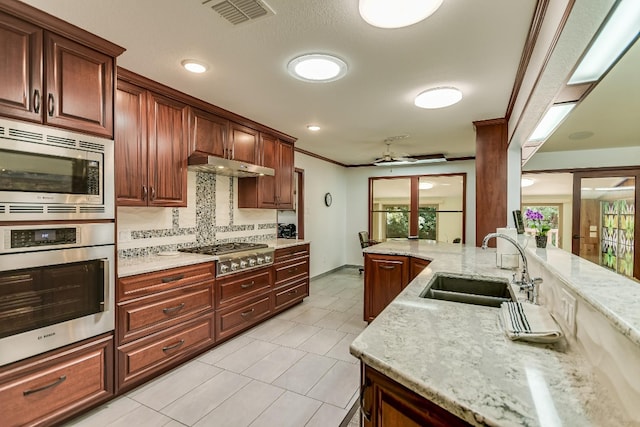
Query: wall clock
328, 199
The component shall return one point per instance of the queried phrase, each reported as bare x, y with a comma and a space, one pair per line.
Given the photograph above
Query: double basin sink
485, 291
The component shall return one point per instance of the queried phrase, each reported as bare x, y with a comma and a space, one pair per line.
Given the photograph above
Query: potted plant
537, 222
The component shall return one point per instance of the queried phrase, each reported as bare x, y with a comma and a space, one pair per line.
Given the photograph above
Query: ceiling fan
390, 158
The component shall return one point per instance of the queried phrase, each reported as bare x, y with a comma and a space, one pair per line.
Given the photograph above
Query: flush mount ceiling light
439, 97
313, 128
425, 186
526, 182
397, 13
194, 66
550, 121
317, 68
619, 32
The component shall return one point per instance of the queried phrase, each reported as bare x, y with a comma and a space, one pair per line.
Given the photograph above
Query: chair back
364, 239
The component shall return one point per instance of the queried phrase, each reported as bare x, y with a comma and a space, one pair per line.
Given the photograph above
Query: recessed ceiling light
194, 66
439, 97
396, 13
317, 67
526, 182
425, 186
313, 128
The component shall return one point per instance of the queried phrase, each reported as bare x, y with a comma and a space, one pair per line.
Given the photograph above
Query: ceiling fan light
317, 68
397, 13
439, 97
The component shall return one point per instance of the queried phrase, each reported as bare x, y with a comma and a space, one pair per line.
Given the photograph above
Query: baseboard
326, 273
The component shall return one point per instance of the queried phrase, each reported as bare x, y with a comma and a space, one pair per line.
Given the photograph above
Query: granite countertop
148, 264
457, 355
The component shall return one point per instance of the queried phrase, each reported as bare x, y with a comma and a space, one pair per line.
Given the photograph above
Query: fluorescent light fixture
317, 68
439, 97
551, 121
397, 13
617, 33
626, 188
526, 182
425, 186
194, 66
313, 128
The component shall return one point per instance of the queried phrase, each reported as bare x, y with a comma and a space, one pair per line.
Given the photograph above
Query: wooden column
491, 177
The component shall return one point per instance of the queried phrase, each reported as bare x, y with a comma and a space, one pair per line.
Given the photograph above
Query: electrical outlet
569, 311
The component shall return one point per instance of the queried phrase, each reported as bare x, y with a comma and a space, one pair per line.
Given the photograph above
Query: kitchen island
457, 356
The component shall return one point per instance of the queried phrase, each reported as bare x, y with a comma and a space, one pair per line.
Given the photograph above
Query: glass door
605, 221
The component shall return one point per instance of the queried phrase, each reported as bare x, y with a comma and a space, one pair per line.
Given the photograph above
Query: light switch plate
569, 311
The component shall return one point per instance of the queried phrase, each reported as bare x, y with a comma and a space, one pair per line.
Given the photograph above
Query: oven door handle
104, 287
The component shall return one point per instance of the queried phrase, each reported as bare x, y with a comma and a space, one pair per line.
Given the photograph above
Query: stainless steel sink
479, 291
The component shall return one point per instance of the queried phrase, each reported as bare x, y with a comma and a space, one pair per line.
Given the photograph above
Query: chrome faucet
526, 283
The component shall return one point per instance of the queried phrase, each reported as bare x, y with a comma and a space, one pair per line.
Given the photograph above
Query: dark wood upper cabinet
54, 73
285, 175
21, 69
131, 145
151, 146
208, 133
243, 144
79, 87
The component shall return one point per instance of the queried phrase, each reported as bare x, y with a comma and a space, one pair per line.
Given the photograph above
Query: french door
605, 223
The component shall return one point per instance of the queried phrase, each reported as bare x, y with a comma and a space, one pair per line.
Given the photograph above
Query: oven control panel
42, 237
237, 262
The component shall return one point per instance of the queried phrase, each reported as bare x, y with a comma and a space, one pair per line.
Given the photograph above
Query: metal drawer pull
53, 384
171, 347
293, 270
145, 192
52, 105
170, 310
388, 267
173, 278
292, 292
365, 414
248, 285
36, 101
246, 313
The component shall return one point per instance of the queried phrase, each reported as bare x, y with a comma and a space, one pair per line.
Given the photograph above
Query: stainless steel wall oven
52, 174
57, 286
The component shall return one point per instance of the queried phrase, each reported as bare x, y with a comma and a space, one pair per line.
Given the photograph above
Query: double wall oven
57, 239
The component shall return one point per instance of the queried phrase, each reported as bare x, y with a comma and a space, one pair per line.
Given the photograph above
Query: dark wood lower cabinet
44, 390
386, 403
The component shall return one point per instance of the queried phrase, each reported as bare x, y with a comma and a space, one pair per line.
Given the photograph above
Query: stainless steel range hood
220, 166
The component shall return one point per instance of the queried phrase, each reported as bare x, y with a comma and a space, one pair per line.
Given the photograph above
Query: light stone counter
287, 243
457, 355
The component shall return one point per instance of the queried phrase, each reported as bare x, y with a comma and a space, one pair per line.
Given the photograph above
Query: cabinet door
267, 184
243, 144
21, 69
79, 87
167, 151
131, 145
207, 133
284, 175
417, 265
384, 277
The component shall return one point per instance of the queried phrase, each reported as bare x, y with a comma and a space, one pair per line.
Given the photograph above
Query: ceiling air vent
239, 11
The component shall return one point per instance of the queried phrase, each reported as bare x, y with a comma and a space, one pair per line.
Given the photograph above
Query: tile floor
292, 370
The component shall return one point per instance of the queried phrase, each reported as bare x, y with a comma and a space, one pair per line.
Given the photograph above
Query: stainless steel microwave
51, 174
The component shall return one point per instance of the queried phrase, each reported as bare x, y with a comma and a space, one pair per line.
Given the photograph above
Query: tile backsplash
211, 216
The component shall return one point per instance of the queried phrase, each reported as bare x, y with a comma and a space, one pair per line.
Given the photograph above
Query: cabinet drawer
236, 319
46, 389
291, 294
239, 288
144, 284
293, 269
147, 315
142, 358
292, 252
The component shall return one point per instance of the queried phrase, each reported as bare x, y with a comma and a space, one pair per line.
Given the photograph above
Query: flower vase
541, 241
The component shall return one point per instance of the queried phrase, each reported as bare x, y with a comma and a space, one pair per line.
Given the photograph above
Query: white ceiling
473, 45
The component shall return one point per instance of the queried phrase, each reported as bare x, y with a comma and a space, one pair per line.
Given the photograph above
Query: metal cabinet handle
53, 384
171, 347
173, 278
248, 285
292, 292
293, 270
145, 192
171, 310
51, 105
388, 267
153, 193
36, 101
365, 386
247, 313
